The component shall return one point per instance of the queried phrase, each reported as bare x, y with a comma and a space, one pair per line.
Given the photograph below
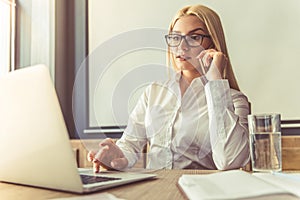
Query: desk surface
164, 187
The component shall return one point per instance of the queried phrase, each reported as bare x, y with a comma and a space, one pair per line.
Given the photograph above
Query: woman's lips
183, 58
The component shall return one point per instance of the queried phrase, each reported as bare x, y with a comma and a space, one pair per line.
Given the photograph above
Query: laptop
35, 149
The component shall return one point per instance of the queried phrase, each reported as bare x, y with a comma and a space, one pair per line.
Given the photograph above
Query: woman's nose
183, 44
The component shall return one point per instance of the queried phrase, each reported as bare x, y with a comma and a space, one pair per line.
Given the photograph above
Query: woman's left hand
215, 61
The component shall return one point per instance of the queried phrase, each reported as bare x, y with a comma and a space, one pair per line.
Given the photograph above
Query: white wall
262, 37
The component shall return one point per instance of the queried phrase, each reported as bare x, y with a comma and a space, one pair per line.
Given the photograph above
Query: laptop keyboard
86, 179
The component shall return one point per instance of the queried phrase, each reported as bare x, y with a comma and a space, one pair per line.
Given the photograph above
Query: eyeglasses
194, 40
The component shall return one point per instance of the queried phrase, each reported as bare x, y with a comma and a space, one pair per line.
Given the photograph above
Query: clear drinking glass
265, 142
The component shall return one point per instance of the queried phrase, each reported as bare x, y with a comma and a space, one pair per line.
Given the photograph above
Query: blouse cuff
218, 101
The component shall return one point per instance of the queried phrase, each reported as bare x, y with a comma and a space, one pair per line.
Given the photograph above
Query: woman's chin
184, 67
188, 68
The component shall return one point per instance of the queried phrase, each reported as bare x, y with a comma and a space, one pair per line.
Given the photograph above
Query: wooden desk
164, 187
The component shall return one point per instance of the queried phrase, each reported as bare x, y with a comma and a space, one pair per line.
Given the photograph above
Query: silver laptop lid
34, 144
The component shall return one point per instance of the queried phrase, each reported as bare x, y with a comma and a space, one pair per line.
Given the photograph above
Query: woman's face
185, 55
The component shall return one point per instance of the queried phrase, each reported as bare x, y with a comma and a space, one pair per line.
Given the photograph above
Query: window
7, 24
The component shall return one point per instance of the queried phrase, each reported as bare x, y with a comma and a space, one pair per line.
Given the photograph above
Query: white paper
235, 184
97, 196
288, 181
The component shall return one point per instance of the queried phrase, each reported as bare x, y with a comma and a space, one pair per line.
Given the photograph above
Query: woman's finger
96, 166
206, 56
107, 141
90, 156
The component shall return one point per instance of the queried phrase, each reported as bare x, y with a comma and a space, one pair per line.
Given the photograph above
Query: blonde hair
215, 30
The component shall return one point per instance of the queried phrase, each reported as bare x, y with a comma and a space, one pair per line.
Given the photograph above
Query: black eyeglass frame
184, 37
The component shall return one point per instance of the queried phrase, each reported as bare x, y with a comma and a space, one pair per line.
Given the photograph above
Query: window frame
10, 51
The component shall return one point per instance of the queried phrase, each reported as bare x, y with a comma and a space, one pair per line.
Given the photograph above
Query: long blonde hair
215, 30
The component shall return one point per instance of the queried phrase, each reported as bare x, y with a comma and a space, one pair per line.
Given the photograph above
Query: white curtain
35, 33
42, 33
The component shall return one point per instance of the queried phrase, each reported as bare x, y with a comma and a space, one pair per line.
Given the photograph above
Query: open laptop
35, 148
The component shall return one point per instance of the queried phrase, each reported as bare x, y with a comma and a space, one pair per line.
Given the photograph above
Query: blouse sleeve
134, 137
228, 127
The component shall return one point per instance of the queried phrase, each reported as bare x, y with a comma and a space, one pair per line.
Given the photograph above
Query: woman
195, 120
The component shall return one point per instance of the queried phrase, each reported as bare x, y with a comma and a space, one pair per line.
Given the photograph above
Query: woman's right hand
109, 156
214, 61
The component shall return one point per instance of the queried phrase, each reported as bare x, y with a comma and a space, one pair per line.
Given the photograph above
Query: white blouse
206, 128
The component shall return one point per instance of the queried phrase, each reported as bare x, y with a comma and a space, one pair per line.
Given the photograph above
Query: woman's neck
186, 79
189, 76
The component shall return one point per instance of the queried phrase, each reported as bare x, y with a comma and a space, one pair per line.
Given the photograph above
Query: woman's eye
176, 38
196, 37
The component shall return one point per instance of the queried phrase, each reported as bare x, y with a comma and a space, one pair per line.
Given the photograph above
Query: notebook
238, 184
35, 148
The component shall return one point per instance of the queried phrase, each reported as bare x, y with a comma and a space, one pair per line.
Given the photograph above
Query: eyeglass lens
174, 40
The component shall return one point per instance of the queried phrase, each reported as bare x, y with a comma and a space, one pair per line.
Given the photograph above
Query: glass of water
265, 142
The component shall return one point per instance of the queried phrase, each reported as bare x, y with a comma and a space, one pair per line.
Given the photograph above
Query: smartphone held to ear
203, 69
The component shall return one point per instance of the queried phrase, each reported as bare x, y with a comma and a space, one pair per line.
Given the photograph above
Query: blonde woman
195, 120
